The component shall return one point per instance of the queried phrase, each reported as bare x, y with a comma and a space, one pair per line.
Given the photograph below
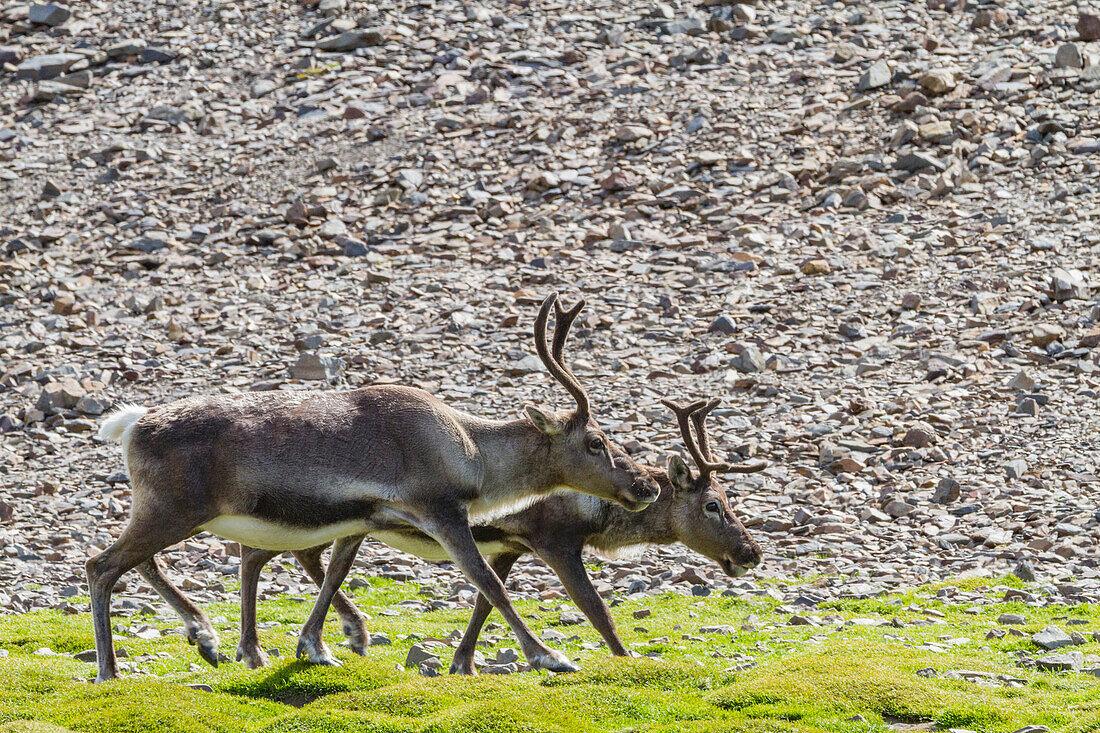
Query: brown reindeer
690, 509
287, 471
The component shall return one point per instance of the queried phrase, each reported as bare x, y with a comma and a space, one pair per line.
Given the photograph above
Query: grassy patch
858, 665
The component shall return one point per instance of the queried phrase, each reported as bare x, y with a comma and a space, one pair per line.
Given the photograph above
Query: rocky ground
869, 226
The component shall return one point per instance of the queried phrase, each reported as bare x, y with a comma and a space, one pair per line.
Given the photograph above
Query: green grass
771, 676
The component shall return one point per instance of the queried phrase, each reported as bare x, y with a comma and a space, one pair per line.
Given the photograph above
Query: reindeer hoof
554, 662
356, 636
206, 640
316, 652
253, 658
209, 653
106, 676
463, 667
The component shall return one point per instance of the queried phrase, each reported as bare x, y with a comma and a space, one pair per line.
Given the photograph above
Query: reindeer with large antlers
293, 470
692, 510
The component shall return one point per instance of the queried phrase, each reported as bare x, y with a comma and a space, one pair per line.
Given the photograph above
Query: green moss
805, 678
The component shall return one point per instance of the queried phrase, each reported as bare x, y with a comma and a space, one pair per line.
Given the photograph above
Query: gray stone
312, 366
124, 48
1051, 638
1068, 285
723, 324
150, 242
48, 14
897, 508
64, 394
1065, 662
1025, 571
263, 87
913, 162
1088, 26
1068, 56
1022, 382
10, 54
46, 66
157, 55
92, 405
351, 40
1028, 406
1016, 468
1011, 618
570, 618
749, 360
947, 490
421, 653
878, 75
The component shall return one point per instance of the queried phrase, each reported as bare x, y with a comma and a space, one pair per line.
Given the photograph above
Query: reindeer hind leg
147, 534
200, 632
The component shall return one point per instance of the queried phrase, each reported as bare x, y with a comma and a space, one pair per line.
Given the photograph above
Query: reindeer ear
542, 421
679, 474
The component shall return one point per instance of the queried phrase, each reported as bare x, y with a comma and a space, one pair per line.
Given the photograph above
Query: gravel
867, 226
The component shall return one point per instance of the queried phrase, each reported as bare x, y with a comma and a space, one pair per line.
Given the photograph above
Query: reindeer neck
512, 455
651, 526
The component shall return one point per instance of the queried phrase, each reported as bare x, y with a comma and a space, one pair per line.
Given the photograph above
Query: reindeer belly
269, 535
423, 546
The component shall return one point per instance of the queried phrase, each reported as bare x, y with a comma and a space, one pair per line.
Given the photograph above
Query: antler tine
683, 414
558, 370
698, 419
563, 321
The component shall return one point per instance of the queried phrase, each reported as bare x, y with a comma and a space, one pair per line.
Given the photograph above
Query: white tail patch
118, 426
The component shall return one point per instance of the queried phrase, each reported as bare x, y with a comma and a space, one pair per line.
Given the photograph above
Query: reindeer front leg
451, 529
463, 662
569, 566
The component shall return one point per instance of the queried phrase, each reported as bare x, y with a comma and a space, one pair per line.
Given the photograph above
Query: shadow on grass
298, 683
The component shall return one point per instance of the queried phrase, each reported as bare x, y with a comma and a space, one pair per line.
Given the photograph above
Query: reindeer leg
570, 570
248, 648
452, 530
199, 630
463, 662
309, 641
145, 536
352, 620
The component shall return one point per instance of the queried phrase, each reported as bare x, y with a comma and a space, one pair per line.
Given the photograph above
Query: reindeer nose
645, 490
750, 557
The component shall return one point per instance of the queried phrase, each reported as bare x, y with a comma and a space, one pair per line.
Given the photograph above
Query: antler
697, 413
552, 361
683, 414
698, 420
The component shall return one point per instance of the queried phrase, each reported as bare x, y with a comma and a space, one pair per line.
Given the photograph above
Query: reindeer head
700, 513
575, 448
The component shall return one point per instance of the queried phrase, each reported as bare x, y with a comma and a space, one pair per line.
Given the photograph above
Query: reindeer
690, 509
293, 470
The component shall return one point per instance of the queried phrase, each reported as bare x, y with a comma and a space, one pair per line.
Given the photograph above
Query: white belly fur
273, 536
427, 549
485, 511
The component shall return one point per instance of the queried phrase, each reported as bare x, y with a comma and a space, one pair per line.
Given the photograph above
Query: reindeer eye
595, 445
712, 507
